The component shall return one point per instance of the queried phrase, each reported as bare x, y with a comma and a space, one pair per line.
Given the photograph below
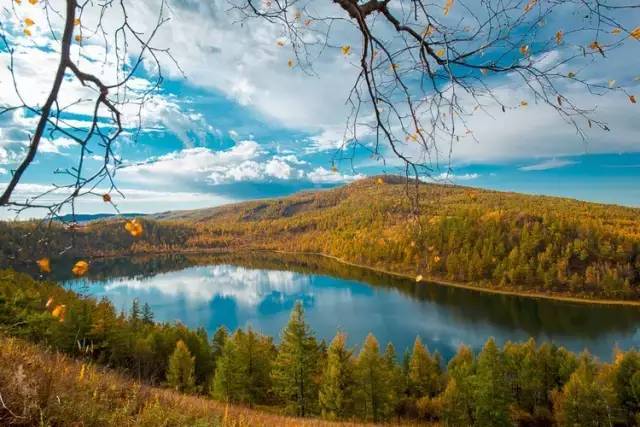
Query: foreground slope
41, 387
480, 238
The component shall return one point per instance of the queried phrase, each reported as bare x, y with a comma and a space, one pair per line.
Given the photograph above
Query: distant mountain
94, 217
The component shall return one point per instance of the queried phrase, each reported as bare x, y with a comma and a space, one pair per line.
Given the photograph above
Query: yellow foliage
635, 33
28, 22
346, 50
134, 228
80, 268
559, 36
44, 264
59, 311
447, 7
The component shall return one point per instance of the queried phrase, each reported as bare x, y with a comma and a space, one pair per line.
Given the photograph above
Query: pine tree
424, 372
228, 381
147, 314
458, 399
180, 373
295, 370
376, 401
217, 343
492, 393
338, 381
255, 356
134, 315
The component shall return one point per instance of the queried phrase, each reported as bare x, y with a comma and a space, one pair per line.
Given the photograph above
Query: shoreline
426, 281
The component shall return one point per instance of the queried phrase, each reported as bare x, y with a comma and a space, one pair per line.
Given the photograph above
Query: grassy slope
39, 387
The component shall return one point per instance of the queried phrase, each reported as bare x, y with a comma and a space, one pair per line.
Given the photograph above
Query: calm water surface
260, 290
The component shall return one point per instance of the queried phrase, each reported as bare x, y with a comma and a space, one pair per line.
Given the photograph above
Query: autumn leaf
447, 7
559, 36
290, 63
524, 49
18, 1
523, 103
44, 264
428, 31
28, 22
632, 99
635, 33
616, 31
419, 278
80, 268
596, 46
440, 53
530, 5
27, 32
76, 21
78, 38
59, 311
34, 2
346, 50
280, 43
106, 198
134, 228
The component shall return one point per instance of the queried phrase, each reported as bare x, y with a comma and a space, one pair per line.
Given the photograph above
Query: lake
260, 289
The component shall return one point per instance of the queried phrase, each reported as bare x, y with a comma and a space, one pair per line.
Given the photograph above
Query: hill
480, 238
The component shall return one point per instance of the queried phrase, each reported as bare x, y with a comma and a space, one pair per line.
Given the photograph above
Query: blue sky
241, 124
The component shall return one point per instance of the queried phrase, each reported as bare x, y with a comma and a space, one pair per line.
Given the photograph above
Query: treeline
477, 237
517, 384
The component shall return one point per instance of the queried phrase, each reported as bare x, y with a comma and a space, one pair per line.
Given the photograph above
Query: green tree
338, 381
376, 400
425, 375
295, 370
228, 383
180, 374
147, 314
627, 383
458, 397
217, 343
492, 393
588, 398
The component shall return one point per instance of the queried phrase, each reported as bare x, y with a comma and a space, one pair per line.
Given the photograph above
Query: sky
236, 122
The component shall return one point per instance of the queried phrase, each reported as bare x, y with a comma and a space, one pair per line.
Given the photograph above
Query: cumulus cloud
246, 161
548, 164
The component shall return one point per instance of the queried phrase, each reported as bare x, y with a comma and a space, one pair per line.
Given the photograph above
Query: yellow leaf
44, 264
428, 31
632, 99
280, 43
18, 1
28, 22
49, 302
530, 5
393, 67
419, 278
134, 228
447, 7
80, 268
596, 46
27, 32
78, 38
33, 1
440, 52
106, 198
524, 49
290, 63
559, 36
59, 311
635, 33
76, 21
523, 103
616, 31
346, 50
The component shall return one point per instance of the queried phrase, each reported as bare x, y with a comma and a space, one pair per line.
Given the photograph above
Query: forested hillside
477, 237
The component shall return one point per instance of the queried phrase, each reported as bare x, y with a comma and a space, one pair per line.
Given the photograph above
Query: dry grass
45, 388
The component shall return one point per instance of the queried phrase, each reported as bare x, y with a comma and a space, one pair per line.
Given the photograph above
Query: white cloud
548, 164
444, 176
321, 175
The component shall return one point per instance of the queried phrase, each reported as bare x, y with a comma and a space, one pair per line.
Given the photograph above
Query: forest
481, 238
513, 384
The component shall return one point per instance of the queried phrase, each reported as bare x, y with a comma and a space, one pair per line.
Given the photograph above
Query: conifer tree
228, 380
424, 372
458, 399
492, 393
338, 381
375, 400
147, 314
180, 373
217, 343
295, 370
